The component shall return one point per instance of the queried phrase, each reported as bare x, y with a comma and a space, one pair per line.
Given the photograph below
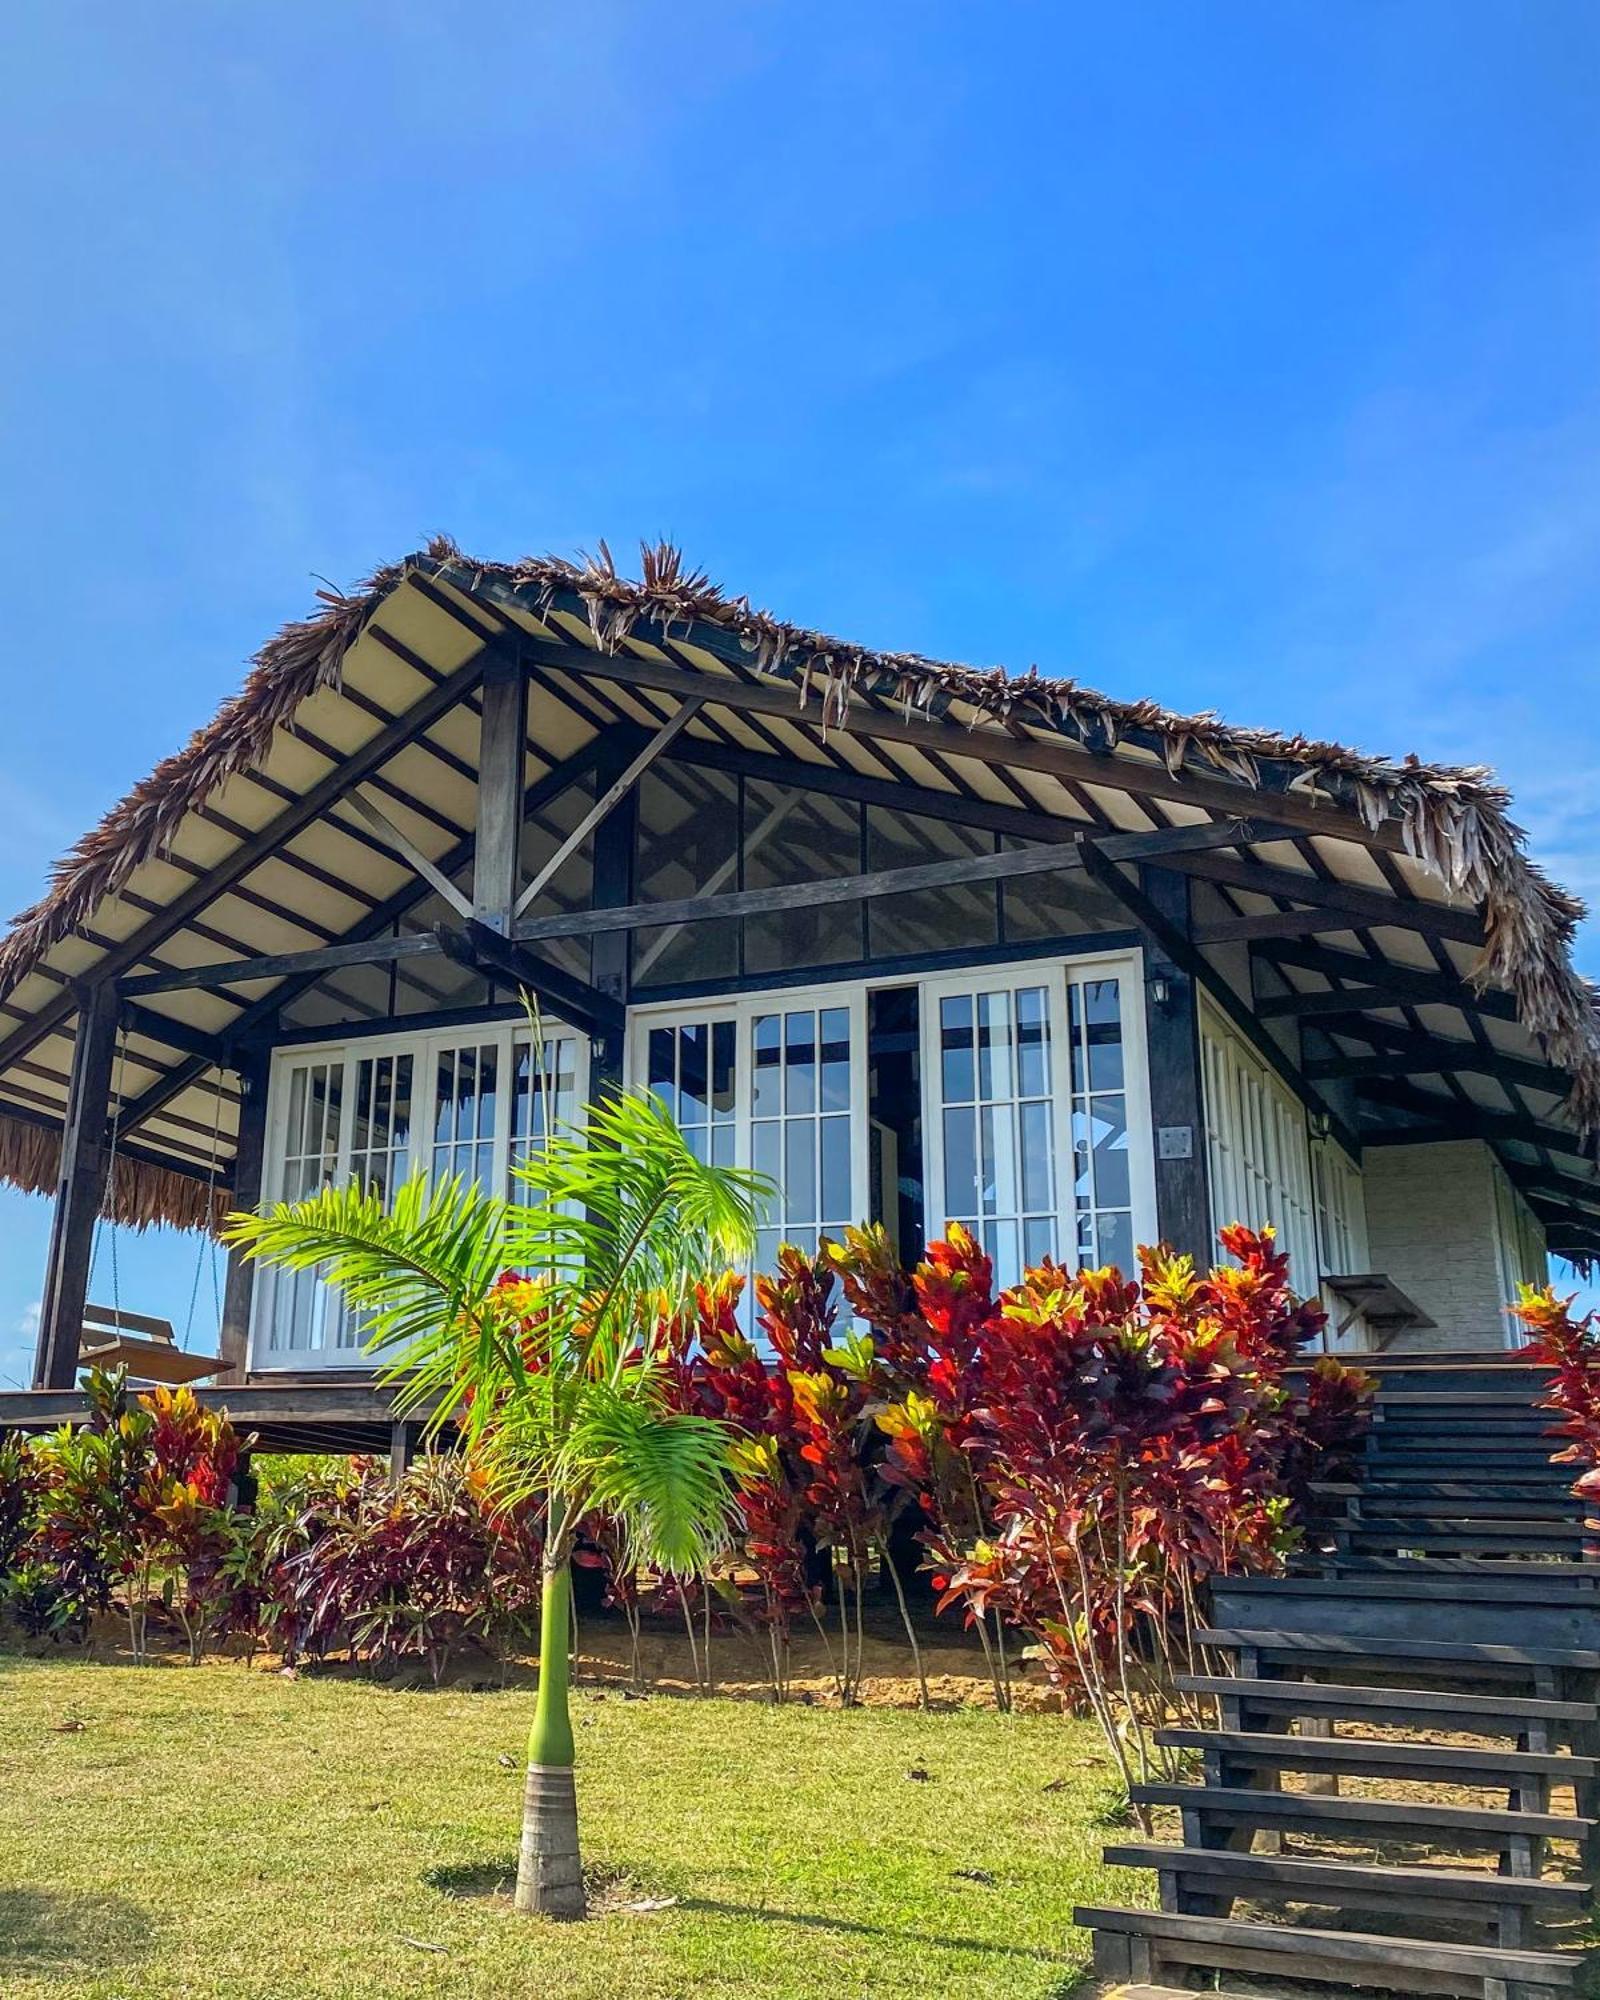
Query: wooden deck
343, 1412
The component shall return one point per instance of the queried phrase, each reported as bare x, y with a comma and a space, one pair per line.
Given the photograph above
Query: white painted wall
1438, 1220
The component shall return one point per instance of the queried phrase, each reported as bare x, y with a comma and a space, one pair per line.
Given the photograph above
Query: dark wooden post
496, 865
79, 1190
1177, 1109
614, 840
239, 1291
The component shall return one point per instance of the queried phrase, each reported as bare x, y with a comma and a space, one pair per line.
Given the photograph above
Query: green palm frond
663, 1475
628, 1197
409, 1270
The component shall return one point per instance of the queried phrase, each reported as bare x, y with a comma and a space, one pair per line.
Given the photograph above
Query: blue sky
1242, 355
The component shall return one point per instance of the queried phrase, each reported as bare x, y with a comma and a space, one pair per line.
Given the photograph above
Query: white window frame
743, 1010
425, 1050
1258, 1147
1056, 975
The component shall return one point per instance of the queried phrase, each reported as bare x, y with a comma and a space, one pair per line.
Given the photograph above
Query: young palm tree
558, 1380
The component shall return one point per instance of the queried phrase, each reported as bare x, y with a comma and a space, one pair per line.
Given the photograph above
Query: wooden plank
409, 852
497, 846
1395, 1819
1376, 1647
80, 1189
1172, 1057
1368, 906
1346, 1947
286, 964
508, 964
1342, 1698
249, 1159
1450, 1762
1403, 1055
1427, 988
1286, 1873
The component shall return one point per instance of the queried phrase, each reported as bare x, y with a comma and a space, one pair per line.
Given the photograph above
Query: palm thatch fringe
142, 1193
1454, 820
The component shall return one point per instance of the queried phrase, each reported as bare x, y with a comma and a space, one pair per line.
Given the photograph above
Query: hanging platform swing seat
147, 1347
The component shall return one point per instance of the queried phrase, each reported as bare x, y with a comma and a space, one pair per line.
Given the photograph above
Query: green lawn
213, 1831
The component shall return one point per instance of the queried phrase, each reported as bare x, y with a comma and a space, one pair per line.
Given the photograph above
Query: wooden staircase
1398, 1790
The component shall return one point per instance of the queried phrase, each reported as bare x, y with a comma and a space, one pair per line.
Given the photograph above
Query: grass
172, 1831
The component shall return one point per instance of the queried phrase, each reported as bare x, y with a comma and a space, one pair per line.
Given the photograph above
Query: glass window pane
948, 918
1103, 1027
995, 1077
1110, 1123
694, 1073
799, 1170
793, 836
997, 1126
800, 1061
766, 1148
960, 1164
688, 836
1116, 1241
1061, 903
835, 1059
955, 1041
1038, 1197
661, 1078
1033, 1042
1038, 1241
837, 1206
724, 1043
766, 1078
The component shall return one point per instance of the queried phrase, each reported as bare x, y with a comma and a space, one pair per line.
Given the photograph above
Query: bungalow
921, 942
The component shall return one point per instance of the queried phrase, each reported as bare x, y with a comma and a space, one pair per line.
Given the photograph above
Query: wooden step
1389, 1704
1391, 1820
1352, 1956
1467, 1399
1448, 1763
1427, 1497
1442, 1538
1290, 1878
1489, 1480
1327, 1646
1533, 1585
1448, 1564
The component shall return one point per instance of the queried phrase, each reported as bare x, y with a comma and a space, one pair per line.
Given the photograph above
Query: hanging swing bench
147, 1347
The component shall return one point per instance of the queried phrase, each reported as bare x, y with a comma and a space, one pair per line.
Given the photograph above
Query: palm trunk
549, 1867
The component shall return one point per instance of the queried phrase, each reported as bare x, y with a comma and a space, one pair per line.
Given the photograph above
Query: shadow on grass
613, 1891
46, 1930
848, 1927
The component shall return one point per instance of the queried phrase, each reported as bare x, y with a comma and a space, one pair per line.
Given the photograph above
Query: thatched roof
1454, 821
